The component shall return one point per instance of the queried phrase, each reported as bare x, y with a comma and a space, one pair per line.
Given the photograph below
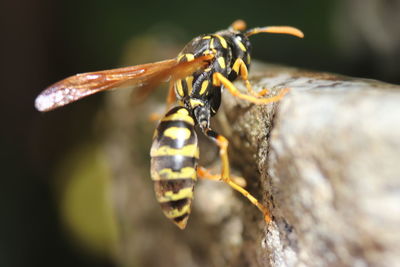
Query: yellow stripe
241, 45
169, 174
222, 41
221, 62
178, 117
236, 65
248, 58
179, 88
189, 57
186, 151
176, 213
204, 86
177, 132
212, 44
171, 196
207, 37
183, 112
189, 82
195, 102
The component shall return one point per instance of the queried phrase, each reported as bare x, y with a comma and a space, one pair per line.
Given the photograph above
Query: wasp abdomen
174, 156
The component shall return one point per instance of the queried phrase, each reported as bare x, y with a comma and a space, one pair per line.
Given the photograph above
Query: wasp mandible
207, 64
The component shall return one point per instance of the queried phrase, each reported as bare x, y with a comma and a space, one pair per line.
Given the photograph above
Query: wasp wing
81, 85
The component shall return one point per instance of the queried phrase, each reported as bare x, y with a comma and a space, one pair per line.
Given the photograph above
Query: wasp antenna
238, 25
276, 29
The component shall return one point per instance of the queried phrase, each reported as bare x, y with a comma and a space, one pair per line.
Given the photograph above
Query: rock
329, 161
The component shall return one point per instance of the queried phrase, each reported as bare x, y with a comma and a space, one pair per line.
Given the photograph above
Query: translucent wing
149, 75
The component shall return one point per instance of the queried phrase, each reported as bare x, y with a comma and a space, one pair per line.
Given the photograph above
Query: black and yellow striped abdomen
174, 156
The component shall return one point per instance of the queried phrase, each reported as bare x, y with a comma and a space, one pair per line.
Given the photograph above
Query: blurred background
55, 177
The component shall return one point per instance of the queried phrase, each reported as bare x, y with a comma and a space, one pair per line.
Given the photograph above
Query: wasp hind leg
225, 176
204, 173
253, 97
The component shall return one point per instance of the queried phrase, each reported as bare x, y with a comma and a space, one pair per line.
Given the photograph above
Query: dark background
44, 41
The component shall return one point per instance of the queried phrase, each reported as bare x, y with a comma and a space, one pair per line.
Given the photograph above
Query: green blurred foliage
82, 188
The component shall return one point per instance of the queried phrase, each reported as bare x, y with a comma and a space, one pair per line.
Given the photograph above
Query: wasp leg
222, 143
244, 74
204, 173
171, 97
240, 68
219, 79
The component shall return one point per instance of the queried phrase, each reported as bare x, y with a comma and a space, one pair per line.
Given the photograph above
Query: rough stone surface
330, 167
325, 160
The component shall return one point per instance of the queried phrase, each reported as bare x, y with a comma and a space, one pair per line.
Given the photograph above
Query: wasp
206, 65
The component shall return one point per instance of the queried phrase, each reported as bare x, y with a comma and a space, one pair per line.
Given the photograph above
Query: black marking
175, 205
162, 140
212, 134
164, 125
233, 75
175, 110
176, 163
181, 218
185, 88
175, 185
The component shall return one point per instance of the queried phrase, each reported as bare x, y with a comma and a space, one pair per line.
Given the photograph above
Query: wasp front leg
225, 176
240, 67
219, 79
